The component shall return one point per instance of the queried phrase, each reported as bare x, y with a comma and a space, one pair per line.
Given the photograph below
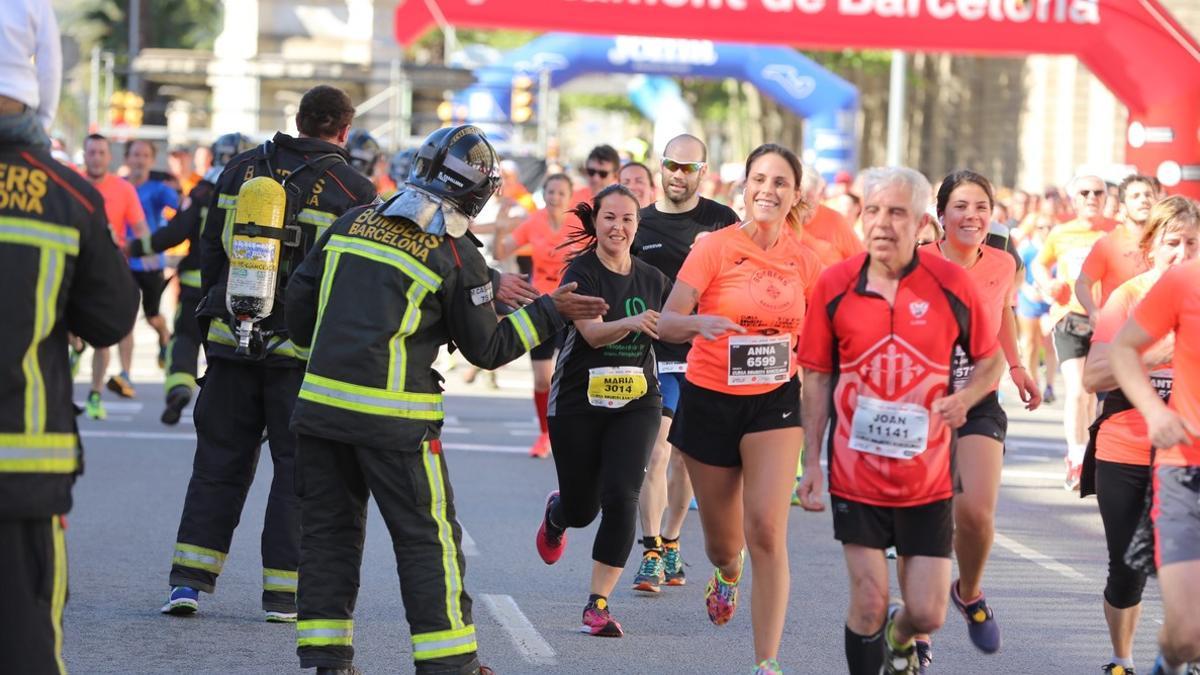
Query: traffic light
521, 103
125, 109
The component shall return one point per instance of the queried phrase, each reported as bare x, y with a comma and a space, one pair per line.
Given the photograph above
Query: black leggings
1121, 492
601, 463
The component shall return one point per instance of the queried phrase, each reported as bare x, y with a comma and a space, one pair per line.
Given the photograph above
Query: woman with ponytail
604, 403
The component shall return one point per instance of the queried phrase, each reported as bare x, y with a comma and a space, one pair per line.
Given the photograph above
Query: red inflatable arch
1135, 47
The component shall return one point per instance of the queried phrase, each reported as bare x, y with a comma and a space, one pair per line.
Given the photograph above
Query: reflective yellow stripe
29, 232
397, 346
280, 580
39, 453
428, 646
370, 400
179, 380
318, 219
332, 258
389, 256
525, 328
58, 595
229, 203
437, 509
324, 632
190, 278
50, 271
220, 333
198, 557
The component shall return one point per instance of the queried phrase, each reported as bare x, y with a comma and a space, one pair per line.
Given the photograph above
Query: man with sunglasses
1065, 249
666, 231
601, 171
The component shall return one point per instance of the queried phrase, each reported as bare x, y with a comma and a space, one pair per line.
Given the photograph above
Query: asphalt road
1044, 580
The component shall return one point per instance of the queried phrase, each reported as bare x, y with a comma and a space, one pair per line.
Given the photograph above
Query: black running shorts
709, 425
987, 418
926, 530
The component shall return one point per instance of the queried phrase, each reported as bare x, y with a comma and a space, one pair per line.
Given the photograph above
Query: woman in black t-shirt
604, 400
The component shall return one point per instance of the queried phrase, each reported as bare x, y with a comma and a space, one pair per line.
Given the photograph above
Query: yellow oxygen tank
258, 231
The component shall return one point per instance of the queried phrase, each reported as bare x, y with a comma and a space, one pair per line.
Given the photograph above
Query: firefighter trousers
237, 400
184, 350
33, 593
414, 496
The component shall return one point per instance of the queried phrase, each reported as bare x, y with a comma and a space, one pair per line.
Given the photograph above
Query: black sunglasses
602, 173
1091, 193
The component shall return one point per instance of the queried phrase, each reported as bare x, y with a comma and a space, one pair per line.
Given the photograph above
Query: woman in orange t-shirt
738, 420
964, 207
548, 232
1120, 442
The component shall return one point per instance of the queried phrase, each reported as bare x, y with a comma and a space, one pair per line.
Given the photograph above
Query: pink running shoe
598, 622
551, 541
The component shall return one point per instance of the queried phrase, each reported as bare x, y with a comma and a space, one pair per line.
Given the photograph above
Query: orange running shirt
994, 274
549, 260
121, 204
1124, 437
1173, 304
825, 252
829, 225
1066, 247
766, 292
1115, 259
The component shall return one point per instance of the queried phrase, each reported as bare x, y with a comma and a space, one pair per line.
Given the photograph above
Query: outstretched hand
575, 307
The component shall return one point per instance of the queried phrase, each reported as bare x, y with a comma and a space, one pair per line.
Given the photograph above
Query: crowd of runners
744, 347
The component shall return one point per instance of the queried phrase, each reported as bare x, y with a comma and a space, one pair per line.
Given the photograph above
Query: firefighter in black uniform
364, 151
60, 272
241, 394
378, 296
184, 350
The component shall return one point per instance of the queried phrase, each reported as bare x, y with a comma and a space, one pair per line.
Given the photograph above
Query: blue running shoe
183, 601
981, 622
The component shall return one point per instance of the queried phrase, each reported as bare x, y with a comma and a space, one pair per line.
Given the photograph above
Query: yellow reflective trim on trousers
387, 255
179, 380
35, 233
190, 278
397, 346
39, 453
428, 646
198, 557
370, 400
220, 333
324, 632
525, 328
451, 575
280, 580
50, 270
58, 595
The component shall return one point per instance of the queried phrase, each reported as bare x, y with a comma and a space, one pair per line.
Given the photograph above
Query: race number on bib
672, 367
615, 387
759, 359
889, 429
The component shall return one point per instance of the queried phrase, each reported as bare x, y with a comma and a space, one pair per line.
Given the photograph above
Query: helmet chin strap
428, 212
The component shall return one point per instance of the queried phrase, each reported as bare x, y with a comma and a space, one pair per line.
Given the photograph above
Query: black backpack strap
298, 185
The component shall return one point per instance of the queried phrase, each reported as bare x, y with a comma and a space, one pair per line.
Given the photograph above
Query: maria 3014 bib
615, 387
889, 428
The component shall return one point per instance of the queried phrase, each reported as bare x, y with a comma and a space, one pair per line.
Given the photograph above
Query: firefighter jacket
374, 301
185, 226
60, 271
331, 188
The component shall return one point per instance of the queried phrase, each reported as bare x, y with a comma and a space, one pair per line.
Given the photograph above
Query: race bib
1163, 380
759, 359
672, 366
889, 429
615, 387
961, 368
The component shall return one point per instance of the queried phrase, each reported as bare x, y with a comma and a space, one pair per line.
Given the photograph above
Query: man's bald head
686, 144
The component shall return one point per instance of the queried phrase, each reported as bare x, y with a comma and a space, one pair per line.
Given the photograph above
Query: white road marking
125, 407
469, 548
528, 641
1038, 558
480, 447
1038, 444
1056, 477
